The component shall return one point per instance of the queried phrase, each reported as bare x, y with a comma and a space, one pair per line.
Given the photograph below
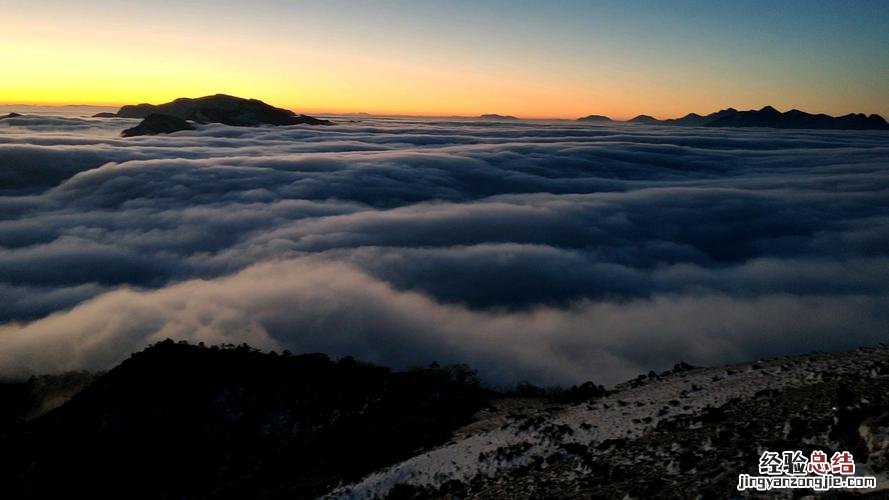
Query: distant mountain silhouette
154, 124
696, 120
643, 119
221, 108
496, 117
772, 118
105, 115
10, 115
594, 118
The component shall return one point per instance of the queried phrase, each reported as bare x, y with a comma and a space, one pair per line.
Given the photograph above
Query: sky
560, 59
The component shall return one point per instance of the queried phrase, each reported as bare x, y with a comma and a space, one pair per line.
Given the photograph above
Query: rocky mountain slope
26, 400
184, 421
686, 433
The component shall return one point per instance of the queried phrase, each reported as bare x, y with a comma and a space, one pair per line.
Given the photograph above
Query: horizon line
328, 111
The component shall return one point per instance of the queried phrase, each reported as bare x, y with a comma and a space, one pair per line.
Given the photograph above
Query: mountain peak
594, 118
769, 117
495, 116
643, 119
221, 108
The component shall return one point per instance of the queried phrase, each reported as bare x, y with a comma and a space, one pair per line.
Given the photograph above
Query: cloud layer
553, 252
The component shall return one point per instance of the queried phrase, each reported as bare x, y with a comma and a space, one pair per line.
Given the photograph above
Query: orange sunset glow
375, 60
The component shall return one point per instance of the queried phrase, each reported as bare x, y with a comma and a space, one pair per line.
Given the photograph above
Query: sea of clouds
553, 252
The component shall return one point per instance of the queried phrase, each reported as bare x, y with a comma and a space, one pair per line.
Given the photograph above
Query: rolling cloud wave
553, 252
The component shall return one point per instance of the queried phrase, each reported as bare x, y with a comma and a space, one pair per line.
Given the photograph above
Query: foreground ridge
684, 432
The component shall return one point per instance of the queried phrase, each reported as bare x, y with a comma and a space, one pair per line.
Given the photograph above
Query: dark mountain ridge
770, 117
154, 124
696, 120
496, 117
643, 119
221, 108
186, 421
594, 118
